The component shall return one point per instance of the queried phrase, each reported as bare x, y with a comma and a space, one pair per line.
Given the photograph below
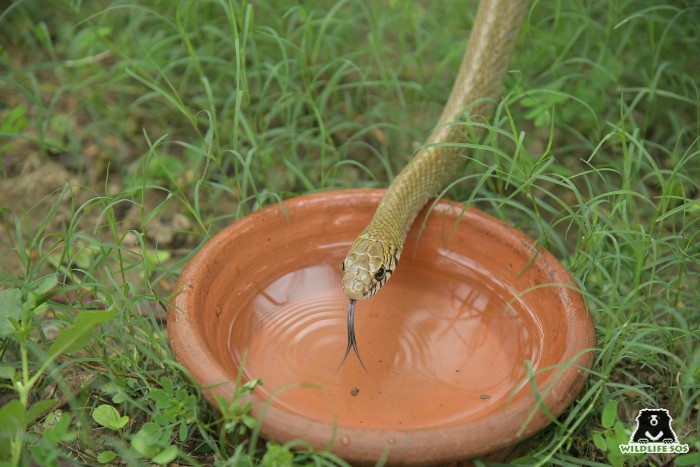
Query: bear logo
654, 426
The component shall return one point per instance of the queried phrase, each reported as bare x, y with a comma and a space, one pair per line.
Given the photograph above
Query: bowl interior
473, 310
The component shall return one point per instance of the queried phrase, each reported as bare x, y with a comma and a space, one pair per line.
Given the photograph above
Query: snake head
367, 267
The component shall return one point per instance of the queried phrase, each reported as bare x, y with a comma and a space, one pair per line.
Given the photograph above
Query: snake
374, 254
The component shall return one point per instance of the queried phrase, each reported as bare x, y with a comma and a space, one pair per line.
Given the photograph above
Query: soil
45, 199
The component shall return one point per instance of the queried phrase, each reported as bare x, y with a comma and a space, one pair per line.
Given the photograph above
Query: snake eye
379, 274
342, 266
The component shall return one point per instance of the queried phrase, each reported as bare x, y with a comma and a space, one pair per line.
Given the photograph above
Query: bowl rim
421, 445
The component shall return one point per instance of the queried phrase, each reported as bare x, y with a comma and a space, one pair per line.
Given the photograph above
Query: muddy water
439, 348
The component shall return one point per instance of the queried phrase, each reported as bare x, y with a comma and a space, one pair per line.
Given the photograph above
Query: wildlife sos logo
653, 434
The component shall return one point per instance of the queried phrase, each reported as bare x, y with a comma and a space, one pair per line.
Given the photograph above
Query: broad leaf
39, 409
45, 284
12, 418
109, 417
609, 414
166, 456
76, 336
7, 372
105, 457
10, 307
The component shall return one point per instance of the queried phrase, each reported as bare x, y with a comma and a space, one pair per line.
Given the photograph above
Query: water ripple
433, 344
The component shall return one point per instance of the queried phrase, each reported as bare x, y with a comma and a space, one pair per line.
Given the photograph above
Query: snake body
375, 253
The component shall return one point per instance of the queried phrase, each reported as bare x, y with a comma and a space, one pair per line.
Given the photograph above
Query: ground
130, 133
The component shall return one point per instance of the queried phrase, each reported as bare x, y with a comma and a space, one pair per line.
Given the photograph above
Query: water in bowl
442, 344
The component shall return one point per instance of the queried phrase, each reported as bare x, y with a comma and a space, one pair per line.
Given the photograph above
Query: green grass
123, 121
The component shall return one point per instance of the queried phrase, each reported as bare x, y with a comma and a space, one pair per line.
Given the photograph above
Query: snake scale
375, 253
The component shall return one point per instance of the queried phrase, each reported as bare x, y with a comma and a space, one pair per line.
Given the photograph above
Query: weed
130, 133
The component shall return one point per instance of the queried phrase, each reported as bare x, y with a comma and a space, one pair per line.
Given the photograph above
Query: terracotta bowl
472, 320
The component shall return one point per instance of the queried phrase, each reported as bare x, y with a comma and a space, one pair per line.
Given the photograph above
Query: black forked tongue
352, 342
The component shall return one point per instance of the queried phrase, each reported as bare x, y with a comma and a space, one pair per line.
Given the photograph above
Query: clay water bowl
472, 319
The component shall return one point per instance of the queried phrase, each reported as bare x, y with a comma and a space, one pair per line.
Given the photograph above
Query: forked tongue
352, 342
